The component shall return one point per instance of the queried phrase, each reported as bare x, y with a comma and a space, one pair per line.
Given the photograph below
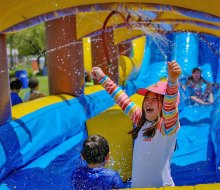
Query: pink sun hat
159, 88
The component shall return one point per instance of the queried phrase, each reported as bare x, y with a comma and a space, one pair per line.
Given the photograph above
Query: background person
15, 86
33, 84
195, 84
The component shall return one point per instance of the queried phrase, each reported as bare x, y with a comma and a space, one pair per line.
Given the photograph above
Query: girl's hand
174, 71
97, 73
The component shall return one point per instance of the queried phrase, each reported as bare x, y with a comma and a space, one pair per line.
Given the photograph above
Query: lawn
43, 86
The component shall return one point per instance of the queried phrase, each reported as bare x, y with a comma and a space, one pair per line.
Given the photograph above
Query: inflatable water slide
40, 140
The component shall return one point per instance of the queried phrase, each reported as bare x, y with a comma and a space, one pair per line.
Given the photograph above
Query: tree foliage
29, 42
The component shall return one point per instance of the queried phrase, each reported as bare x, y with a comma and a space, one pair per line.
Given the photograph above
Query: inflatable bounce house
40, 140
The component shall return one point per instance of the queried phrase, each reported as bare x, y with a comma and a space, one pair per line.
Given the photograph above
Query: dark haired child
156, 126
194, 85
94, 176
33, 84
15, 86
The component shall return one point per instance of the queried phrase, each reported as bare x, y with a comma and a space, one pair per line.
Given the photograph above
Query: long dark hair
196, 70
150, 131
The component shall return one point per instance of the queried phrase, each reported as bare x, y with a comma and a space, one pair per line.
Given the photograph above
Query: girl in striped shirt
156, 126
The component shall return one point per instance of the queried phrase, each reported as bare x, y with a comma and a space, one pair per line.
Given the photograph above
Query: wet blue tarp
194, 160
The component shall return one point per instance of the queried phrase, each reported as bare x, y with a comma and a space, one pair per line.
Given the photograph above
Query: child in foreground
94, 176
155, 126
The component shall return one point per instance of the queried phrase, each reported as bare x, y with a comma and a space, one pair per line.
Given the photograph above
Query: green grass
43, 86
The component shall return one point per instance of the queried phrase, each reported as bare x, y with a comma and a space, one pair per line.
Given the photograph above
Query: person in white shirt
156, 128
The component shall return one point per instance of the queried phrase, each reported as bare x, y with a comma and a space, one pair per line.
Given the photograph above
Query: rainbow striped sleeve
170, 124
121, 98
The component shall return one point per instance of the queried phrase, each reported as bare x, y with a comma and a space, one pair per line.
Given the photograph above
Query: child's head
33, 83
95, 149
15, 84
153, 98
196, 74
151, 107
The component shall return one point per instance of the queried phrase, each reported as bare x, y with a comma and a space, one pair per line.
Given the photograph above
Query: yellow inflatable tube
25, 108
196, 187
126, 64
133, 63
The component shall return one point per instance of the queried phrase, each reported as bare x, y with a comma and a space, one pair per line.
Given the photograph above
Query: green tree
29, 42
